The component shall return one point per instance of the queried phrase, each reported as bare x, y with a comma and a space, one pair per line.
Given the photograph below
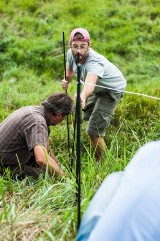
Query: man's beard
81, 58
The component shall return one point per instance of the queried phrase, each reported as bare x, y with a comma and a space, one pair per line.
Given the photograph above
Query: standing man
98, 102
24, 137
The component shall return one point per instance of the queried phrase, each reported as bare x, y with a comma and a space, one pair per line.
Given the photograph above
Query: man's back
132, 215
132, 212
18, 134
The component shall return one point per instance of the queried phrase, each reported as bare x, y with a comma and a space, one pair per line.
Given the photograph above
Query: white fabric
132, 213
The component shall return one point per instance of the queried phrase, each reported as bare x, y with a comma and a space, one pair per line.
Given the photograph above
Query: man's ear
59, 114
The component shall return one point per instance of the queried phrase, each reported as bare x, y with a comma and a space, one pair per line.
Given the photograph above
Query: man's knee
98, 123
33, 171
13, 171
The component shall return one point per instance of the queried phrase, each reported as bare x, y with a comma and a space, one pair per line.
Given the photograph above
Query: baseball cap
82, 31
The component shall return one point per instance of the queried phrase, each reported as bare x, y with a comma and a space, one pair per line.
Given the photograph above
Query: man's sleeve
98, 205
37, 134
96, 68
70, 60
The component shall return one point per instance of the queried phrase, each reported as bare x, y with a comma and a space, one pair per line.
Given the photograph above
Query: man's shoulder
69, 53
30, 114
29, 110
95, 57
37, 112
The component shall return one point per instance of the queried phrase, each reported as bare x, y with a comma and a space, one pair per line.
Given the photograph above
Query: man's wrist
68, 79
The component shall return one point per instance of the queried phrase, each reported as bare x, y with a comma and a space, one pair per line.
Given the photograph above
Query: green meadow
127, 32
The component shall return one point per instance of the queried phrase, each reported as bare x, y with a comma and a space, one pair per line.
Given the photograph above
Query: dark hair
79, 36
59, 102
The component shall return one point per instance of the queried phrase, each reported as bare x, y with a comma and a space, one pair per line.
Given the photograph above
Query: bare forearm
66, 80
53, 161
44, 159
54, 167
87, 91
89, 86
69, 77
69, 74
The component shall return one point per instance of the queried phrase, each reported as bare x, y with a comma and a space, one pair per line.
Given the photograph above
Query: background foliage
31, 67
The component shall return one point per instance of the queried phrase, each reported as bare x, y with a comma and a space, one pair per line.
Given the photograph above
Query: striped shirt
21, 132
